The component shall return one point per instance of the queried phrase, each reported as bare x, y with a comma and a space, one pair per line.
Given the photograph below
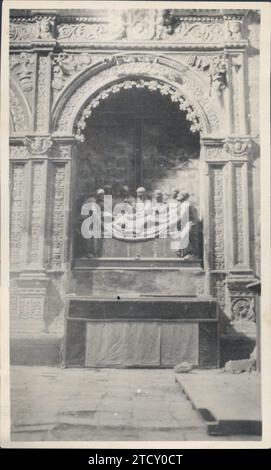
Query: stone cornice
161, 29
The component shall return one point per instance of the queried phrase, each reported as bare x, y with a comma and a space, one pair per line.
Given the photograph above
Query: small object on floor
184, 367
239, 366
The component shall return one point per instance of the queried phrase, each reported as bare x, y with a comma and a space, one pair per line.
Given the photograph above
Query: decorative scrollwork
152, 85
38, 145
237, 147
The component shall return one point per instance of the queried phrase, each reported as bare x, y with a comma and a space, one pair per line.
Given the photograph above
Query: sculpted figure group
142, 204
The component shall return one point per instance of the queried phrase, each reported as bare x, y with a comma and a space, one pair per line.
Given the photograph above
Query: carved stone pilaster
17, 213
217, 216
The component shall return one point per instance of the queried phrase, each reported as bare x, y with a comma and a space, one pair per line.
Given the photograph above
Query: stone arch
168, 76
19, 111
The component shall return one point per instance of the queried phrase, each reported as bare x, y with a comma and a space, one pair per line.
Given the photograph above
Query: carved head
99, 194
141, 193
157, 195
108, 189
182, 196
174, 193
125, 191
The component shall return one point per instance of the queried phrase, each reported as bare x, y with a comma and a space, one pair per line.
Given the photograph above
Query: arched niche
168, 75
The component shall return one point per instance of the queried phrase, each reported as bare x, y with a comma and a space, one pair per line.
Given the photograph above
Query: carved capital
237, 147
38, 145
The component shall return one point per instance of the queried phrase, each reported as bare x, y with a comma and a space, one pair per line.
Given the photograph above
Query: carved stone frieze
17, 152
38, 145
130, 26
37, 28
60, 152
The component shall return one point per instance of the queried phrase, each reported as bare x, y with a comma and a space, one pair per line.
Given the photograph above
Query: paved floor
50, 404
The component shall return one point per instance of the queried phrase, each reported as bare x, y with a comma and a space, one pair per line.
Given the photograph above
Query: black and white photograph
136, 218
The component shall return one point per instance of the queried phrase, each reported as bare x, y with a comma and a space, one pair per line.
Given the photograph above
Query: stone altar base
141, 332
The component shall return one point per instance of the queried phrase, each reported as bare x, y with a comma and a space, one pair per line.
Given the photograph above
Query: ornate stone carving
38, 145
42, 94
191, 29
91, 31
45, 27
217, 215
17, 213
153, 70
66, 65
217, 71
238, 221
215, 153
237, 147
18, 152
22, 67
21, 29
233, 30
17, 113
152, 85
235, 88
36, 28
36, 213
242, 309
60, 151
58, 216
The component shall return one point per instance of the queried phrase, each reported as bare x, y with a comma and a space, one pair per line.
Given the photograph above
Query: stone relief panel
37, 225
28, 29
17, 213
22, 70
217, 217
65, 66
236, 93
57, 240
238, 215
17, 152
28, 309
19, 119
42, 94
